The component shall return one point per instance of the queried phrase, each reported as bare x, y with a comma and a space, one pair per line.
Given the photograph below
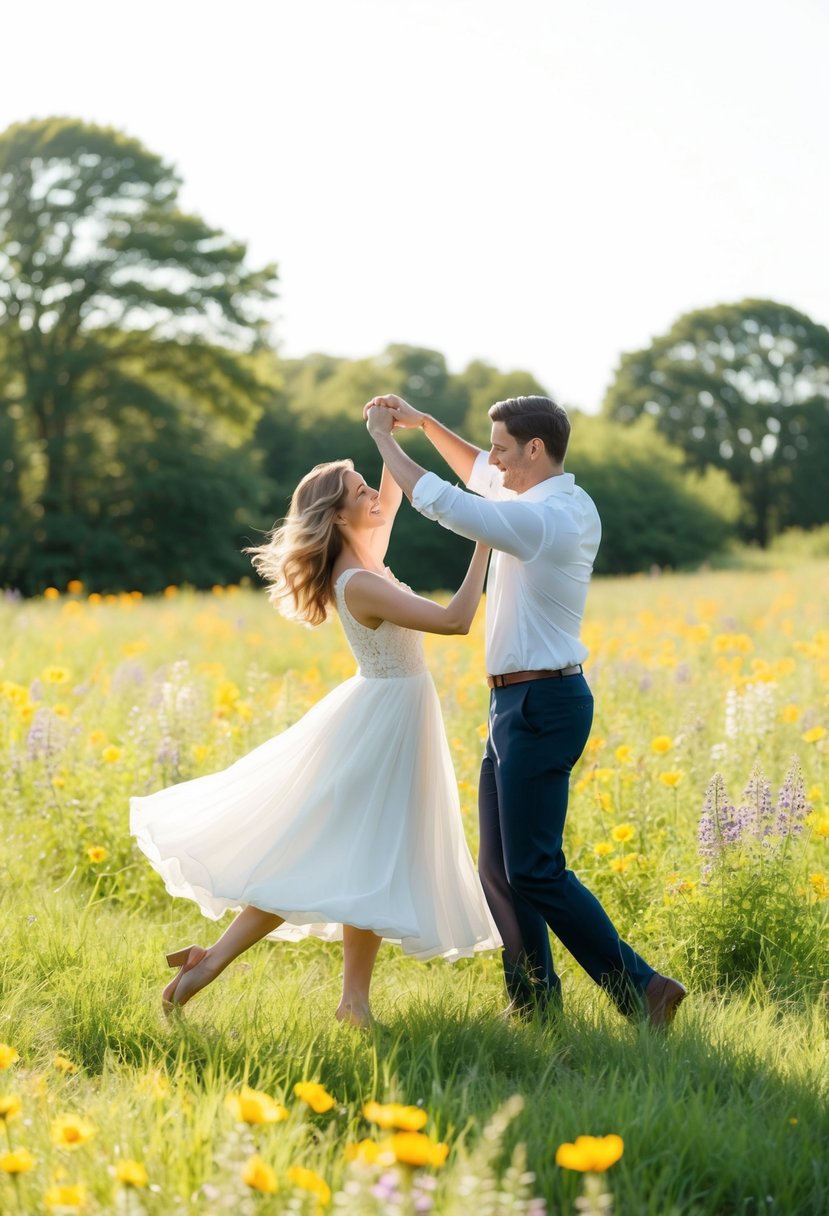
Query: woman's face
360, 510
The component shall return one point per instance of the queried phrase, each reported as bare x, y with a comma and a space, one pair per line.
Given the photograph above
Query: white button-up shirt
544, 542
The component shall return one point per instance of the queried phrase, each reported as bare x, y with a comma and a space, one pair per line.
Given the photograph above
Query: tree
483, 385
122, 318
745, 388
653, 511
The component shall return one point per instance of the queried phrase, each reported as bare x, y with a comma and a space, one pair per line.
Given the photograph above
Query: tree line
149, 428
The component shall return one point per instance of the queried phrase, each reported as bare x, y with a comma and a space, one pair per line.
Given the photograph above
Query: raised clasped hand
379, 421
404, 415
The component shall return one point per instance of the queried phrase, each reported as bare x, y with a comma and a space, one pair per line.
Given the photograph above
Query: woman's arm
373, 599
390, 498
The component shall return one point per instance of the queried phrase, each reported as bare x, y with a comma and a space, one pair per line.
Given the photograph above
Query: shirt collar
562, 483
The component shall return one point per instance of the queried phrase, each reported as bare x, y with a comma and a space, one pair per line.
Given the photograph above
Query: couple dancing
348, 824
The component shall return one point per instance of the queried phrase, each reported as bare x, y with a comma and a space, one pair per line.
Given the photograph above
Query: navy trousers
537, 731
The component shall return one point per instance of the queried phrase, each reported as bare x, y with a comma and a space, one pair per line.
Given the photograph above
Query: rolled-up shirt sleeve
512, 527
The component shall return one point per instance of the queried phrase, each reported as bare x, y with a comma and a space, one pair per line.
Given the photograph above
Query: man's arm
458, 454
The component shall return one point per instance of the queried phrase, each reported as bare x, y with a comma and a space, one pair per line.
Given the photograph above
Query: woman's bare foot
200, 969
352, 1014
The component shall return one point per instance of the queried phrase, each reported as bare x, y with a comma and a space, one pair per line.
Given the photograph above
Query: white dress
350, 816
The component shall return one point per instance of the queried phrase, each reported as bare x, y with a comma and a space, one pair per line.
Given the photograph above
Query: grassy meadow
721, 882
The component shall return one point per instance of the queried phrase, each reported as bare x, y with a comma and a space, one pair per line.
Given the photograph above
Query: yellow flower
64, 1065
253, 1106
97, 853
71, 1131
66, 1196
819, 825
307, 1180
623, 832
595, 745
603, 848
260, 1176
74, 586
94, 598
51, 593
671, 779
790, 713
661, 744
413, 1148
316, 1095
393, 1115
814, 793
55, 675
593, 1154
18, 1162
111, 754
170, 592
605, 801
131, 1173
10, 1107
96, 737
8, 1055
368, 1152
624, 753
813, 735
620, 865
820, 885
200, 752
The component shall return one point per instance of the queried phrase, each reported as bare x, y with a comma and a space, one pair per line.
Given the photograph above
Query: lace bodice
382, 653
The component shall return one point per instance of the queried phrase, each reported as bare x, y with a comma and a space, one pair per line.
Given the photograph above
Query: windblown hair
529, 418
298, 556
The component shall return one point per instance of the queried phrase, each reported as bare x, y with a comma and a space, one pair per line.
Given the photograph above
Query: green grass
727, 1114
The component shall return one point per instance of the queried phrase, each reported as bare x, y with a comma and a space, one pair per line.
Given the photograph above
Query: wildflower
170, 592
10, 1107
595, 745
316, 1095
621, 865
603, 848
71, 1131
593, 1154
55, 675
200, 752
605, 801
111, 754
820, 885
791, 803
413, 1148
671, 778
51, 593
624, 753
623, 832
131, 1173
661, 744
308, 1180
63, 1196
18, 1162
74, 586
814, 735
367, 1152
96, 737
97, 853
260, 1176
814, 793
820, 825
393, 1115
252, 1106
790, 713
64, 1065
8, 1056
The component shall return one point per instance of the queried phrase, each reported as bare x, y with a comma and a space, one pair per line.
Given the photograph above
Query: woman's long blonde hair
297, 558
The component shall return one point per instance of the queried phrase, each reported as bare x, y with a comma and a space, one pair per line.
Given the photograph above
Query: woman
347, 824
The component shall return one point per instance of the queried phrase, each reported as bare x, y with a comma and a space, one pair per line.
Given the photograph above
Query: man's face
511, 457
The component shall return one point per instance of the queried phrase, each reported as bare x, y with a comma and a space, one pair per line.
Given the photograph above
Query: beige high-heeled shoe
184, 959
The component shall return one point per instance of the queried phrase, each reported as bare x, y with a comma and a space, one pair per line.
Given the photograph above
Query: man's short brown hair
529, 418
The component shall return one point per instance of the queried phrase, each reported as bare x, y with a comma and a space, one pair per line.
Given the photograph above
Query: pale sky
542, 184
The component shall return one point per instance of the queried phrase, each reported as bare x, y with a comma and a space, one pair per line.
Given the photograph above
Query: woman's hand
404, 415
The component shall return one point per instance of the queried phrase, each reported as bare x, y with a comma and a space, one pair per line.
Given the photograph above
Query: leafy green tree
123, 319
653, 511
483, 385
744, 388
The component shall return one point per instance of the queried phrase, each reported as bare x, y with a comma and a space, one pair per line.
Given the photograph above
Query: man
545, 532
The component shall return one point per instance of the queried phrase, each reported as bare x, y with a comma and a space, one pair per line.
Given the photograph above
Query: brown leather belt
521, 677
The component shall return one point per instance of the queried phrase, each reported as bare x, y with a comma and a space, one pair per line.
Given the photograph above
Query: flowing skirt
350, 816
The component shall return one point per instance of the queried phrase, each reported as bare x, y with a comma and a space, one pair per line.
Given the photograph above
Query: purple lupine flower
46, 735
792, 807
755, 815
386, 1187
36, 690
128, 674
717, 826
168, 752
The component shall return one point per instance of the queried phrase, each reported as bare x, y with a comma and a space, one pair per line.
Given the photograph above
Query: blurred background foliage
149, 428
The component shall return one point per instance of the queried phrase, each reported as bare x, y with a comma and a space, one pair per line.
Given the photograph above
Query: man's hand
404, 415
378, 420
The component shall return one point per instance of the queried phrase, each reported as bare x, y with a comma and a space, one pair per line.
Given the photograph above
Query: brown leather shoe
661, 999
